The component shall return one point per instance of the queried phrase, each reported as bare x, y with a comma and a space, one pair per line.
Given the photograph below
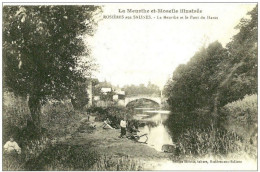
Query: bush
17, 119
241, 117
34, 148
55, 111
15, 115
60, 118
114, 113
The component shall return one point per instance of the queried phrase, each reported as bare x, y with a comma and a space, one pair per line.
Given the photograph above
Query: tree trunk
74, 103
35, 109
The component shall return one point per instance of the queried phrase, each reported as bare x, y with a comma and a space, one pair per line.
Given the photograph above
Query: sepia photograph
120, 86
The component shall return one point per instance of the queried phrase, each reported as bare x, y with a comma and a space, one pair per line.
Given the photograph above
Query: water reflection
158, 134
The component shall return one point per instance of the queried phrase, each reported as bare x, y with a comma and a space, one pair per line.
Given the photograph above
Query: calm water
152, 120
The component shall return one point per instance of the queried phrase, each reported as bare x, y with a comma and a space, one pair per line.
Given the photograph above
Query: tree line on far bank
141, 89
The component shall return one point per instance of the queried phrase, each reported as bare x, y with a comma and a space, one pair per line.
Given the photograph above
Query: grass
12, 163
64, 157
216, 142
59, 120
46, 152
110, 163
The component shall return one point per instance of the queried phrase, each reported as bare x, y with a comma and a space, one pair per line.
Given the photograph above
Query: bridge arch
143, 99
153, 99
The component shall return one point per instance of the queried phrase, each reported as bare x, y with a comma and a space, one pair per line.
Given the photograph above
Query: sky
131, 51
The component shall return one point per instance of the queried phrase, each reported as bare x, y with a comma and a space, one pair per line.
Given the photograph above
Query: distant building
120, 92
106, 90
119, 96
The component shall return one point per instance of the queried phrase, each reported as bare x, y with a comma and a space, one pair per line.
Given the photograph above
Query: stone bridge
129, 99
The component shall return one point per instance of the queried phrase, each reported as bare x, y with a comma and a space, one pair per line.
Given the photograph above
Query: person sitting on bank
11, 147
123, 127
106, 124
133, 133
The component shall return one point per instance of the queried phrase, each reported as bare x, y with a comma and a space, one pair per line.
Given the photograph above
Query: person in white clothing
123, 127
11, 147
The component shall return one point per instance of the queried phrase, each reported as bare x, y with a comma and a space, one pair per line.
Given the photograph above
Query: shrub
16, 118
55, 111
114, 113
241, 117
60, 118
34, 148
15, 115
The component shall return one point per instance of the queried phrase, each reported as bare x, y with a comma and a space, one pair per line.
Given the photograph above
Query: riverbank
69, 143
74, 145
124, 154
83, 148
107, 143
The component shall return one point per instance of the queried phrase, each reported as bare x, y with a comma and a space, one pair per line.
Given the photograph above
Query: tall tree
240, 67
42, 47
215, 76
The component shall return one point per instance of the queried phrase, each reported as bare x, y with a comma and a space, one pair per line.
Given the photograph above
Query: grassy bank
198, 143
70, 143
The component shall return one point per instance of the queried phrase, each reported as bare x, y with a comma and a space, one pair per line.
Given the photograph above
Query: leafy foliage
193, 85
43, 49
241, 117
80, 96
42, 46
210, 91
114, 113
239, 69
215, 75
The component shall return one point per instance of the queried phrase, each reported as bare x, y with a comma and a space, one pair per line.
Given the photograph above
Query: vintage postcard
117, 86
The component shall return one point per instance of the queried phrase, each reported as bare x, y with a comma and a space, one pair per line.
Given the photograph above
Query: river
153, 125
158, 135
